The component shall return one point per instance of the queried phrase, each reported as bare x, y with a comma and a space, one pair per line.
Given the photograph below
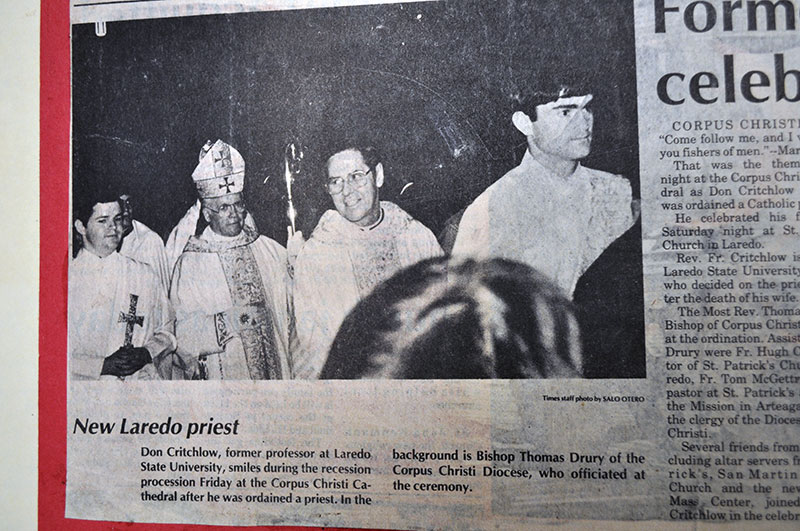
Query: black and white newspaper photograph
434, 264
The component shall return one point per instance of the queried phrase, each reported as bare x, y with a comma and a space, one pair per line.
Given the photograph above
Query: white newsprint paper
543, 263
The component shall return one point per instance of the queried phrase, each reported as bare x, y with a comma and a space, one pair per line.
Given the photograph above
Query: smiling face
225, 214
103, 231
357, 204
563, 128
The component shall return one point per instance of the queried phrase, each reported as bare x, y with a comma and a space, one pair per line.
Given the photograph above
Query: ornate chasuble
342, 263
247, 289
373, 263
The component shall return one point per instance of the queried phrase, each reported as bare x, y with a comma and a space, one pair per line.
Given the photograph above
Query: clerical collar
211, 236
380, 219
211, 242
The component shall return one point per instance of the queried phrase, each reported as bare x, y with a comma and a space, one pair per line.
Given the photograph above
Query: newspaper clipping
434, 264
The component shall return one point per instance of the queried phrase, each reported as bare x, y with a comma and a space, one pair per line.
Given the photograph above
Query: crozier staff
292, 157
119, 317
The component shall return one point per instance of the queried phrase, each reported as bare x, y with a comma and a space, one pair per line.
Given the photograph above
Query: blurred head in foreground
442, 319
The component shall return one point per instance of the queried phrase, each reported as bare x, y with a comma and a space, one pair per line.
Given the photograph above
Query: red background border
54, 142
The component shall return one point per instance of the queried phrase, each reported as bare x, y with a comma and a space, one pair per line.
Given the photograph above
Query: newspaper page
448, 264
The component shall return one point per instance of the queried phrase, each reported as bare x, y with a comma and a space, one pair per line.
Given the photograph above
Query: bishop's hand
125, 361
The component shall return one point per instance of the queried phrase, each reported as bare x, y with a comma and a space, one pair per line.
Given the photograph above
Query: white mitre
220, 171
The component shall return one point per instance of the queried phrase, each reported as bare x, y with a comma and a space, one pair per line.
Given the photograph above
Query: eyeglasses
227, 209
357, 179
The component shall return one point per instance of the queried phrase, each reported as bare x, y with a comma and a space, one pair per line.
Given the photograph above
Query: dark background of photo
432, 85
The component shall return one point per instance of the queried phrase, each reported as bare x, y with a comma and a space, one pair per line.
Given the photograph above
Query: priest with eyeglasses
353, 248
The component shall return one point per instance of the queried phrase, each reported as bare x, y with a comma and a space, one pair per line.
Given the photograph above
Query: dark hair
443, 319
368, 152
553, 76
541, 97
86, 195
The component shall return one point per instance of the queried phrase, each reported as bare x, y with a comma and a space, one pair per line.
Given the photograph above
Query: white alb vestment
339, 265
144, 245
216, 273
556, 225
114, 302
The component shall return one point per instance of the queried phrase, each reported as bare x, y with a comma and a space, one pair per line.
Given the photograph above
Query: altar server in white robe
352, 250
143, 244
576, 225
550, 212
229, 286
120, 319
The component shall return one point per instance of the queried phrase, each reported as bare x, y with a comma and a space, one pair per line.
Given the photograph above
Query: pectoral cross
131, 319
227, 185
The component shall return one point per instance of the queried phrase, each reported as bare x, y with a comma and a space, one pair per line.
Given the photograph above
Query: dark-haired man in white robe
143, 244
550, 212
575, 224
120, 320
